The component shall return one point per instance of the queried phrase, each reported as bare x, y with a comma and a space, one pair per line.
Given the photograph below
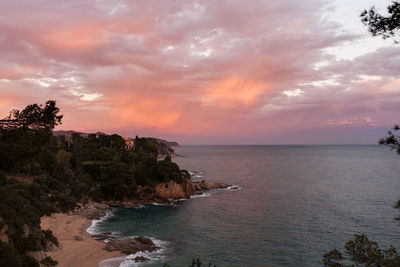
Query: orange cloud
152, 64
139, 111
6, 102
75, 37
236, 90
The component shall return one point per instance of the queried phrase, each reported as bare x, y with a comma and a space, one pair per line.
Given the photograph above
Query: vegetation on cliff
42, 173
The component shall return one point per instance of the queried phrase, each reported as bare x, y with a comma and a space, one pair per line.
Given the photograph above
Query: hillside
164, 147
68, 168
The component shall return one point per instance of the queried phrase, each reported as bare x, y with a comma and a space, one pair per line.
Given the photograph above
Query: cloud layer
196, 71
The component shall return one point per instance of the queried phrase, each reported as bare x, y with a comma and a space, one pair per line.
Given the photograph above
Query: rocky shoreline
163, 193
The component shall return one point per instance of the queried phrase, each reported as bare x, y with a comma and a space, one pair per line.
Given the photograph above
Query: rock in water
131, 245
140, 259
204, 185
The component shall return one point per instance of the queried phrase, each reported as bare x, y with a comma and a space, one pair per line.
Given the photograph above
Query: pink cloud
189, 68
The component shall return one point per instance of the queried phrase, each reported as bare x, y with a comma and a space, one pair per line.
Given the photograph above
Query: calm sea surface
295, 204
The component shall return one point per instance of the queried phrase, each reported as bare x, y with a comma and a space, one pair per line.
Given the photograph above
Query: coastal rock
140, 259
205, 185
131, 245
125, 203
173, 190
93, 210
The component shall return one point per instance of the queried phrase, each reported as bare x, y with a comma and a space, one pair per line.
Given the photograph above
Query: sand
88, 252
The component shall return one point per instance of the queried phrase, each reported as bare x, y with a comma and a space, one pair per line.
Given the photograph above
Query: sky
203, 72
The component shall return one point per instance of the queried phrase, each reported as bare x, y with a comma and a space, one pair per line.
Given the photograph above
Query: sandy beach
87, 252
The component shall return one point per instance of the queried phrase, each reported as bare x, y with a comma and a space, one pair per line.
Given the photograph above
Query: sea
289, 205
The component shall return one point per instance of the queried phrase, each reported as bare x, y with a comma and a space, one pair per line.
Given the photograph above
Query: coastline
77, 246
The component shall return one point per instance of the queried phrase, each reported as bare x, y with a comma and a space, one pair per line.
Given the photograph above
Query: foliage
379, 25
163, 148
48, 234
392, 140
49, 262
63, 171
35, 117
10, 257
362, 252
144, 145
24, 141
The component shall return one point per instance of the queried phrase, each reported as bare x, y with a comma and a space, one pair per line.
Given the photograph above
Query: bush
48, 261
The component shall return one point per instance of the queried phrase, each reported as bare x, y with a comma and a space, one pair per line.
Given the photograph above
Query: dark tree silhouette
34, 117
362, 252
392, 140
378, 25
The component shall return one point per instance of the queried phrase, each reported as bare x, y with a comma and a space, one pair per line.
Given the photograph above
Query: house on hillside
129, 143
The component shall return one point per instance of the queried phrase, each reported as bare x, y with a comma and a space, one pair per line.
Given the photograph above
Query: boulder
93, 210
131, 245
140, 259
205, 185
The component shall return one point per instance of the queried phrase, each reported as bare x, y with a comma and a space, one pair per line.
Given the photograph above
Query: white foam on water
196, 175
201, 195
93, 228
160, 204
232, 187
178, 200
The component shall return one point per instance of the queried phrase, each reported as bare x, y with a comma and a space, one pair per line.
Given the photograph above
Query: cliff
164, 147
173, 190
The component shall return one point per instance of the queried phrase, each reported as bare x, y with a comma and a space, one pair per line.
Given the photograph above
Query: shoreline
77, 245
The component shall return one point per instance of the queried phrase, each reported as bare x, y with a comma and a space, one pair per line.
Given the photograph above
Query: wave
159, 204
93, 228
129, 260
194, 175
173, 201
232, 187
200, 195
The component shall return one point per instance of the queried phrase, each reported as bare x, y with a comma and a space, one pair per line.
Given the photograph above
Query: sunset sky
203, 72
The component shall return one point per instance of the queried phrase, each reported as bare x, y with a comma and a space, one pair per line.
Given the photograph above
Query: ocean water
294, 204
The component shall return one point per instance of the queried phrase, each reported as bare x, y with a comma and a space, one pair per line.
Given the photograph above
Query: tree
34, 117
25, 136
362, 252
392, 140
379, 25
